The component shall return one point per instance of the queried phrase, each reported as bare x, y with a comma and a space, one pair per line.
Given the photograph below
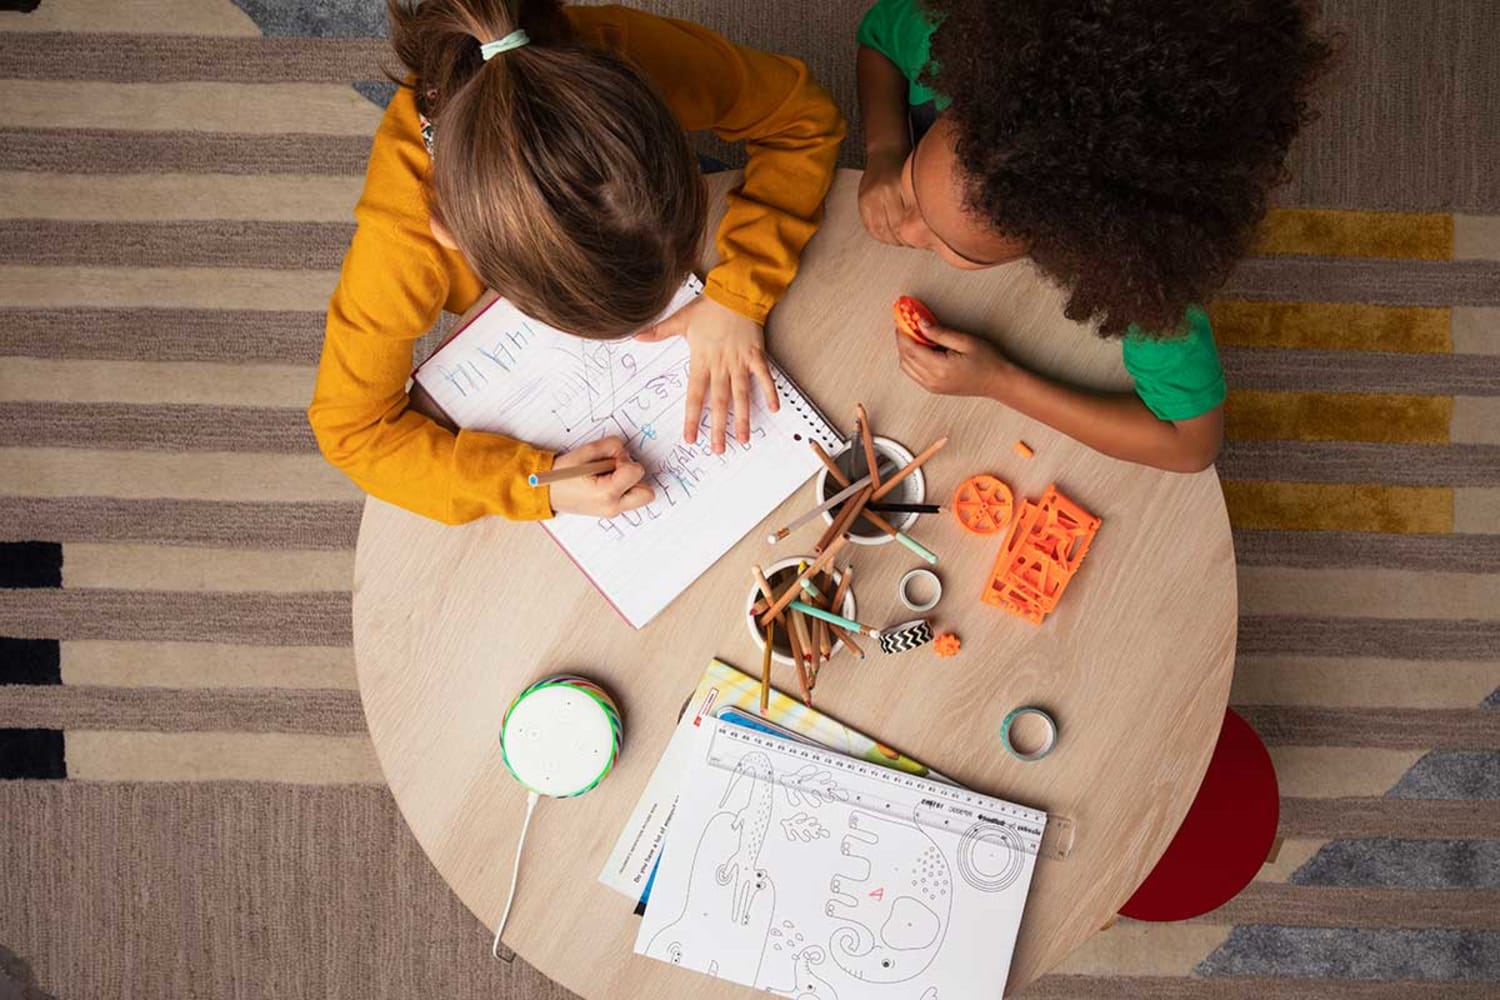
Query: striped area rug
192, 807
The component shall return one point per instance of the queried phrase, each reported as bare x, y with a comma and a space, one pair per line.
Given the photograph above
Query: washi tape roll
561, 736
1028, 717
906, 636
925, 576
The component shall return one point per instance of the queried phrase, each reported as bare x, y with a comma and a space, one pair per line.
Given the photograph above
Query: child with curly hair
1127, 147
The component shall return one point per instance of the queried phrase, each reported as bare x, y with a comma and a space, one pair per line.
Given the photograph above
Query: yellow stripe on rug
1254, 414
1277, 506
1334, 233
1332, 326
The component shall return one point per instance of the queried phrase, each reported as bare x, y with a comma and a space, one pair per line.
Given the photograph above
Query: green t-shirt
898, 30
1178, 378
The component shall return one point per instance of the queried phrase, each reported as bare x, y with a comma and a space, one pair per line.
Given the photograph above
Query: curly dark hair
1131, 144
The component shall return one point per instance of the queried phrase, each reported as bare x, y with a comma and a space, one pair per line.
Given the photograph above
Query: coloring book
721, 687
818, 876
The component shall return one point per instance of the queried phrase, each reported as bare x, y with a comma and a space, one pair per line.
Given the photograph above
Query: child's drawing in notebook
510, 374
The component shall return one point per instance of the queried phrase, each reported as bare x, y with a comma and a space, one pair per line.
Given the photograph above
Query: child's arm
882, 104
791, 129
1118, 424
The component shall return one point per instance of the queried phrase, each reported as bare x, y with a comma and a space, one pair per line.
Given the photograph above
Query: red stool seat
1225, 838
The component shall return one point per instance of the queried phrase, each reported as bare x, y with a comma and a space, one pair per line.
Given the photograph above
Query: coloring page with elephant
806, 873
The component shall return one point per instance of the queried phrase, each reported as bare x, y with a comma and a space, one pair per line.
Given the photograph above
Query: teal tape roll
1047, 744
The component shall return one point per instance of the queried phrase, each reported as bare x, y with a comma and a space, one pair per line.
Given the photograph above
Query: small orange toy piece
1024, 450
946, 645
909, 313
1046, 544
983, 505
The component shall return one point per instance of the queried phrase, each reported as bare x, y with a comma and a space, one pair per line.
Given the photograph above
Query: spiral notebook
507, 373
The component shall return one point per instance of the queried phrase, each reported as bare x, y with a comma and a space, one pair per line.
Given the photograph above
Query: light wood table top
451, 623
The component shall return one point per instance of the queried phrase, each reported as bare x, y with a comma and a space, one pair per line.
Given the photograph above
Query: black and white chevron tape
909, 635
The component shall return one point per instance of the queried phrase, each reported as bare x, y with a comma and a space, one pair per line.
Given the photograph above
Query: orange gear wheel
908, 313
983, 505
946, 644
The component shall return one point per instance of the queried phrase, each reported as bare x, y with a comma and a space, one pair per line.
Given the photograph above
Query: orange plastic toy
1024, 450
983, 505
946, 645
909, 312
1045, 547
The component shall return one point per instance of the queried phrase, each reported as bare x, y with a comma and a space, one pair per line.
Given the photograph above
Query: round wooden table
450, 623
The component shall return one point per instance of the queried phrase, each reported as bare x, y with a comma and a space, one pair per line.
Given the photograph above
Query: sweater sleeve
791, 129
392, 287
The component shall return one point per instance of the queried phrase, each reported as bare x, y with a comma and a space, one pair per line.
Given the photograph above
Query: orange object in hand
910, 313
982, 505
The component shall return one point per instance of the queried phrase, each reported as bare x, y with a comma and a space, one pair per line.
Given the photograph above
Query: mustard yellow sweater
396, 278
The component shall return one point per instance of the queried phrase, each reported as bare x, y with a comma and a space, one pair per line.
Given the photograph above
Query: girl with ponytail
541, 151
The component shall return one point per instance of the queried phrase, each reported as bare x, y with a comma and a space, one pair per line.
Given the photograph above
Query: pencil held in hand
598, 468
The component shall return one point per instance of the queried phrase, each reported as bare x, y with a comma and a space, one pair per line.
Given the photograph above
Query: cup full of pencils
890, 457
781, 574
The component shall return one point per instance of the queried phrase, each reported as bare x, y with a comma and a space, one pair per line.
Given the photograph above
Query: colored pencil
801, 519
905, 508
848, 624
885, 488
863, 419
842, 520
796, 646
837, 475
765, 669
795, 587
572, 472
846, 581
806, 660
848, 640
927, 554
764, 586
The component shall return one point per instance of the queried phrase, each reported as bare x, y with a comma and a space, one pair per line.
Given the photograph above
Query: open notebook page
510, 374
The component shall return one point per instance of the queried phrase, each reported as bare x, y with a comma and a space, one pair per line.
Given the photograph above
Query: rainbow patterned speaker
561, 735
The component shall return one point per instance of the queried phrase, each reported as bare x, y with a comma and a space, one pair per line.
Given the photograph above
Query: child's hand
880, 202
961, 364
729, 350
603, 495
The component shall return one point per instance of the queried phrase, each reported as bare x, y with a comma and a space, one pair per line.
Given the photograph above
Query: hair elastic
514, 40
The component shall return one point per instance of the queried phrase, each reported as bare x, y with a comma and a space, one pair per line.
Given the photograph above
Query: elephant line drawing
893, 903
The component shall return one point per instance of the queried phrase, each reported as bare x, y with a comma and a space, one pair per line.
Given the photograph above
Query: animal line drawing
728, 895
895, 912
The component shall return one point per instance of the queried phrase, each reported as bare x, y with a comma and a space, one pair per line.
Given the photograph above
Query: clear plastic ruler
929, 803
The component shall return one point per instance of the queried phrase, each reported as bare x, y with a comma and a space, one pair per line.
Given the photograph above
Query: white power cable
515, 873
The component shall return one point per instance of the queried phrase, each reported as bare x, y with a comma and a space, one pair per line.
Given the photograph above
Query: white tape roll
928, 577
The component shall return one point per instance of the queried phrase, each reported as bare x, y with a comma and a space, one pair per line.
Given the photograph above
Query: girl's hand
961, 364
729, 351
880, 203
603, 495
